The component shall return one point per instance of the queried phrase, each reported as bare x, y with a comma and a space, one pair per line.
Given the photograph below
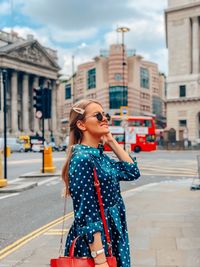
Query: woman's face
92, 124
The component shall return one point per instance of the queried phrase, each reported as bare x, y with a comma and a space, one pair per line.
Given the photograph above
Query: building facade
182, 20
28, 65
116, 78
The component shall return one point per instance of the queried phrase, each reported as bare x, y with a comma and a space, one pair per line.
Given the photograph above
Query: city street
22, 213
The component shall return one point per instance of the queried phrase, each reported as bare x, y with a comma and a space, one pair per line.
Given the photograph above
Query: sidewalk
164, 230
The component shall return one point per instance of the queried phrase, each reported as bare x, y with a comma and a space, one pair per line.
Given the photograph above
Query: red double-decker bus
137, 131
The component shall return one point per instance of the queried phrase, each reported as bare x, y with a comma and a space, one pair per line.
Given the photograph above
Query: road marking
48, 180
22, 241
16, 194
16, 162
57, 232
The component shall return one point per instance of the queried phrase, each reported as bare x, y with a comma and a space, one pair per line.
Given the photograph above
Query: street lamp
123, 30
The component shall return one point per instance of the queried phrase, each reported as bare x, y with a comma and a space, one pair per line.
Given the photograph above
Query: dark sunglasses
100, 116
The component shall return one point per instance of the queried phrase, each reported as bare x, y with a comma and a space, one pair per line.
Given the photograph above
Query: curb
39, 175
18, 187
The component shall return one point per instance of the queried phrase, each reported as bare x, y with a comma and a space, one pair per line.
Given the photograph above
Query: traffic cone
3, 181
48, 162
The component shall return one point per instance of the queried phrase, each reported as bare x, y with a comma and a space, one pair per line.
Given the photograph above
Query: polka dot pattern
87, 219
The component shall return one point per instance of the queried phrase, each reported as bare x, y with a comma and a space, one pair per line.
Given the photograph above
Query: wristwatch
94, 254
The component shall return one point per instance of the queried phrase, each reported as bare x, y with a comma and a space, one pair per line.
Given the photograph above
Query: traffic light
38, 104
47, 103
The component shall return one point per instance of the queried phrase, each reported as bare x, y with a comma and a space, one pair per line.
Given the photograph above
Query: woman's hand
107, 139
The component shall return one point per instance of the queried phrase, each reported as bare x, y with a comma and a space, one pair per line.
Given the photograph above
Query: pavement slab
163, 230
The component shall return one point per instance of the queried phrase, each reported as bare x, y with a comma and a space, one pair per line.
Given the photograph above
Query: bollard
48, 162
8, 151
3, 181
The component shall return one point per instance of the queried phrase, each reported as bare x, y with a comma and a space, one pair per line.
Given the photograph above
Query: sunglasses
100, 116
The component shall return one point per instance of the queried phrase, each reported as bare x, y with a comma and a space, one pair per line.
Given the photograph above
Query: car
13, 143
54, 146
37, 147
63, 147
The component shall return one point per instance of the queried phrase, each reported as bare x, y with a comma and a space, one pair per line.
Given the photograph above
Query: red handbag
71, 260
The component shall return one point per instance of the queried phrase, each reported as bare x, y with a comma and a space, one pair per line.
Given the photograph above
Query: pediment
33, 53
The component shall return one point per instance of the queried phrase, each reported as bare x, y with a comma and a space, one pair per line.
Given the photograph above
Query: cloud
84, 27
76, 14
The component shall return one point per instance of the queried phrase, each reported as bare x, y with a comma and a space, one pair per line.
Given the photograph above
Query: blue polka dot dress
87, 218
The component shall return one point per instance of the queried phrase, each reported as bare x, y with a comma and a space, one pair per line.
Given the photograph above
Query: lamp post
123, 30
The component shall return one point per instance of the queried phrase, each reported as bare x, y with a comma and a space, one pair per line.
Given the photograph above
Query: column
14, 111
195, 45
25, 105
1, 103
53, 107
188, 54
36, 126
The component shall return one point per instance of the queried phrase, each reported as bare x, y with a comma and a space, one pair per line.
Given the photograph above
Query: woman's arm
97, 245
116, 148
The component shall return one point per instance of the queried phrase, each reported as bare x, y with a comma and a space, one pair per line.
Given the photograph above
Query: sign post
124, 124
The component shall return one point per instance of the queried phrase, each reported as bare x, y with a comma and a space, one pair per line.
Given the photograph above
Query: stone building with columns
182, 21
28, 65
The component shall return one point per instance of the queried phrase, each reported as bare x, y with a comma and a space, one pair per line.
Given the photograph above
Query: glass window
118, 96
118, 76
68, 91
183, 123
117, 122
144, 78
119, 137
182, 90
91, 78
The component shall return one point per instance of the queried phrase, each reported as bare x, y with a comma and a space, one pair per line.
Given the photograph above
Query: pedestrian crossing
159, 170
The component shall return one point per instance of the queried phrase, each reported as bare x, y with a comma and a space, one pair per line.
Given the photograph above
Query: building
28, 65
182, 19
116, 78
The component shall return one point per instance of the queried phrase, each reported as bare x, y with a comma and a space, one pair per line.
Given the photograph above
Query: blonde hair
75, 135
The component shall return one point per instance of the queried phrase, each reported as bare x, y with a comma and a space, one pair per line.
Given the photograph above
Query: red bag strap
98, 190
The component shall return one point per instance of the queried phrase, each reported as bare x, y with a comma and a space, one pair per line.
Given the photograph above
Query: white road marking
48, 180
11, 195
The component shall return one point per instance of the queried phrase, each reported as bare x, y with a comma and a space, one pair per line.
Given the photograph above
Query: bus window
119, 137
147, 123
117, 122
137, 123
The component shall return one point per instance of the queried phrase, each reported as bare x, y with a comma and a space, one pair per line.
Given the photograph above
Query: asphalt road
24, 212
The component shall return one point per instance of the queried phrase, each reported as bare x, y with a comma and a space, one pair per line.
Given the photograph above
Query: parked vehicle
36, 143
13, 143
54, 146
63, 147
25, 141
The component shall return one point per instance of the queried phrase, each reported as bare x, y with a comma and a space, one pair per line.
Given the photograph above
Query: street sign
38, 114
124, 110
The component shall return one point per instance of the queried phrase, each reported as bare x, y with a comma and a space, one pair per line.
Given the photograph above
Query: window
144, 78
68, 91
91, 78
182, 90
118, 76
182, 123
118, 96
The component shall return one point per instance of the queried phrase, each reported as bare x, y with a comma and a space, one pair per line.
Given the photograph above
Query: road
22, 213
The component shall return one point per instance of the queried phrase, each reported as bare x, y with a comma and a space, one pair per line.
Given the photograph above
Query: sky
83, 27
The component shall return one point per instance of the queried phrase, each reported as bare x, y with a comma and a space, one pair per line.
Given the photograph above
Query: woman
89, 127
